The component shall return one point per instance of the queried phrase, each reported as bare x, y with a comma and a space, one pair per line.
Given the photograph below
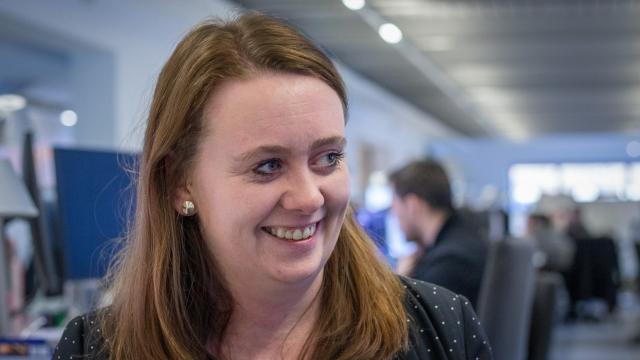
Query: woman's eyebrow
282, 150
264, 149
332, 140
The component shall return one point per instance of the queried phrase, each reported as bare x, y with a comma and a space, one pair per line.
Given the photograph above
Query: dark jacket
457, 258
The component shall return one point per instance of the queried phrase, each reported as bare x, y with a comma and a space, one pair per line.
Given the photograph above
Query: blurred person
244, 245
560, 209
451, 251
558, 249
593, 275
634, 231
576, 229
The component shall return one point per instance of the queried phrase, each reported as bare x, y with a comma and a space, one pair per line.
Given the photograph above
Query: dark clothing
594, 272
442, 325
456, 260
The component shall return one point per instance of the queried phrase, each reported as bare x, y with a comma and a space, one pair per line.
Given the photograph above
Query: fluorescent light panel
354, 4
390, 33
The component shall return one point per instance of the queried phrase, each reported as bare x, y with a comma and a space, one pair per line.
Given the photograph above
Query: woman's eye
331, 159
268, 167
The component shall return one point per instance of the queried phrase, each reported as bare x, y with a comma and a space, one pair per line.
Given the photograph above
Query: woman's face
270, 182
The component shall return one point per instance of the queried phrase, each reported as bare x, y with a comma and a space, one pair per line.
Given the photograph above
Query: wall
383, 131
479, 163
137, 36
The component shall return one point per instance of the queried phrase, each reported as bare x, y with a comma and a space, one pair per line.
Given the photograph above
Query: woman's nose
303, 194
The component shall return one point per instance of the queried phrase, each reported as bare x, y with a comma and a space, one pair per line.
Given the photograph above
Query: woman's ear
183, 199
182, 196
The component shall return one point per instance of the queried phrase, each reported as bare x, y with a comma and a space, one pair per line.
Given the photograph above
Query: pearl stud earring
188, 208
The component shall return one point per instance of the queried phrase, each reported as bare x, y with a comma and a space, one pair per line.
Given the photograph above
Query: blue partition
95, 202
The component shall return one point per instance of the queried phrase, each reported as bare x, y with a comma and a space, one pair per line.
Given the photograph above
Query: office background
481, 85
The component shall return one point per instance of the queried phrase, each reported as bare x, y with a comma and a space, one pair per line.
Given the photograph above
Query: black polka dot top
442, 325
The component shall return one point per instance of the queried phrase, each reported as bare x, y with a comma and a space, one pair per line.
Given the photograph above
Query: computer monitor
47, 276
95, 203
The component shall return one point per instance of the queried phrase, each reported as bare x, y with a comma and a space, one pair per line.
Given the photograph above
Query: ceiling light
633, 148
353, 4
68, 118
11, 102
390, 33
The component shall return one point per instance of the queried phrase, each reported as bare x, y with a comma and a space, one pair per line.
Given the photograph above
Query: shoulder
461, 243
465, 235
82, 338
426, 293
428, 301
442, 323
451, 257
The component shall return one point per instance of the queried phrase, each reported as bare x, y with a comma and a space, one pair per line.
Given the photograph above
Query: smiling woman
278, 162
244, 246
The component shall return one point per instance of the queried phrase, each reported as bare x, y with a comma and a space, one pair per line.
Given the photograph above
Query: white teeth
295, 234
311, 229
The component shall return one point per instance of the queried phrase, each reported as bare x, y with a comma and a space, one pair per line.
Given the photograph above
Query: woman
244, 246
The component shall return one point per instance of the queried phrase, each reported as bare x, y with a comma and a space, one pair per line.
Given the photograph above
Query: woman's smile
292, 233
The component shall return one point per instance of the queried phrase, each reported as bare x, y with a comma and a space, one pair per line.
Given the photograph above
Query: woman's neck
272, 323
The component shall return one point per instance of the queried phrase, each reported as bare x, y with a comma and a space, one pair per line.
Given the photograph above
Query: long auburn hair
169, 298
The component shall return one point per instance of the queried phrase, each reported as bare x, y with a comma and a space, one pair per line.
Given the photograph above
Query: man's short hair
427, 179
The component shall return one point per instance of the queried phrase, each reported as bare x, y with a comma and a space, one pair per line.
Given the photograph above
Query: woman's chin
298, 273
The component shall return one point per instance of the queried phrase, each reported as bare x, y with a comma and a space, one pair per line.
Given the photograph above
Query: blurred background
533, 107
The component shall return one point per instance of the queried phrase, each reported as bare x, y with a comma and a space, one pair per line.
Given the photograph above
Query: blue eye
331, 159
268, 167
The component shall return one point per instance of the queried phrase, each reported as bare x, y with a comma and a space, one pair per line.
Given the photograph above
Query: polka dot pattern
81, 340
442, 325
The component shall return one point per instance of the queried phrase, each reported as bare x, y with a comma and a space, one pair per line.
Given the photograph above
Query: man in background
451, 250
557, 248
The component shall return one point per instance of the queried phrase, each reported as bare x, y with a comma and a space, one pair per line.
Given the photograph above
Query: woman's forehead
274, 105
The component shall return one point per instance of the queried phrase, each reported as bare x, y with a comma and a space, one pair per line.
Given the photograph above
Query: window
584, 182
